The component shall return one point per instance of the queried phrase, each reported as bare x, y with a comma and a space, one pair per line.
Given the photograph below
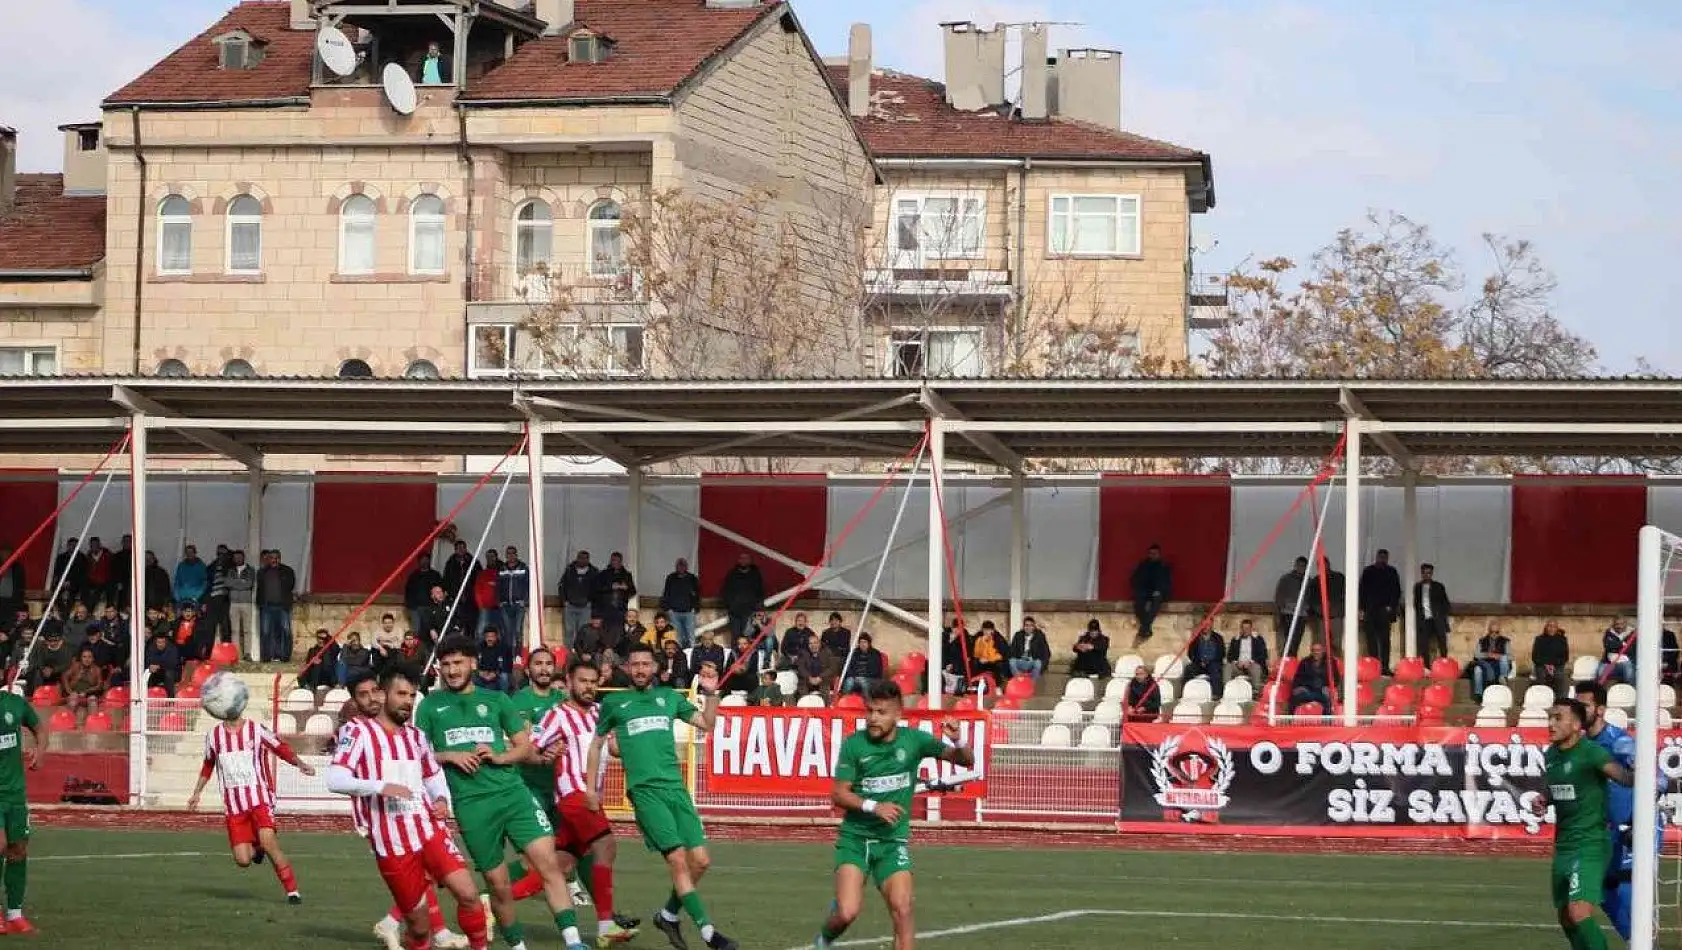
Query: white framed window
948, 351
358, 235
426, 235
490, 350
534, 238
175, 236
1094, 225
245, 236
937, 228
604, 251
612, 350
28, 361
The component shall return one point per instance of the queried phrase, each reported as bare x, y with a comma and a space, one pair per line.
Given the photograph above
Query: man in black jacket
1550, 660
1030, 653
707, 651
460, 571
680, 598
1431, 613
615, 589
417, 591
1246, 656
277, 585
1380, 598
743, 592
578, 588
12, 585
866, 667
1312, 680
1152, 584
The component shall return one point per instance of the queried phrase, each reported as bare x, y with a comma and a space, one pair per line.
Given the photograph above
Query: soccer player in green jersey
480, 739
531, 702
1578, 770
640, 720
875, 781
16, 715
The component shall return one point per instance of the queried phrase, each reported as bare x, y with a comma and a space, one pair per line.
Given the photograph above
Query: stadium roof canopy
643, 422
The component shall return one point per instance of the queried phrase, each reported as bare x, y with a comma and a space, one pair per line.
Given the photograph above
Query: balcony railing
559, 286
911, 282
1207, 290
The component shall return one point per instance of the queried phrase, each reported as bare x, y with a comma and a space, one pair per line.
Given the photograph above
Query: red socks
601, 890
470, 916
434, 914
529, 886
288, 880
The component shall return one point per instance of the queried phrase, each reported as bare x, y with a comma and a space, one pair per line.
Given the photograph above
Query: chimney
555, 14
1088, 86
1036, 73
8, 170
84, 158
303, 18
858, 70
975, 66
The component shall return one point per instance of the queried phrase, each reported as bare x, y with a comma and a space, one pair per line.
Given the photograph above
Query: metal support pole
1410, 560
137, 725
253, 544
1650, 583
937, 560
1018, 549
534, 540
1351, 570
633, 543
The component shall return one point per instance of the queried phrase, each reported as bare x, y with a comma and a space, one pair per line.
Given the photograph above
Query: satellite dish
399, 89
335, 51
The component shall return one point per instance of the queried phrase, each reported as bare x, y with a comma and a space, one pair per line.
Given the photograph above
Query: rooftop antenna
399, 89
335, 51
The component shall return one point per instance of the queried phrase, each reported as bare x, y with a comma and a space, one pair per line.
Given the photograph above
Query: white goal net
1656, 878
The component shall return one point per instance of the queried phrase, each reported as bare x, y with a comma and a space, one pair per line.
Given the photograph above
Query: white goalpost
1659, 584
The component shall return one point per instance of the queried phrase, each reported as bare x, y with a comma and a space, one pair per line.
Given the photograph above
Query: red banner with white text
1361, 782
769, 751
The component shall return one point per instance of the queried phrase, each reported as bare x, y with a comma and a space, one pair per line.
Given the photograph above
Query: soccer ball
224, 696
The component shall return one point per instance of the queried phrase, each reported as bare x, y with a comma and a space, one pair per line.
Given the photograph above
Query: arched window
175, 236
245, 236
426, 235
357, 226
534, 238
239, 369
605, 252
173, 368
421, 369
355, 369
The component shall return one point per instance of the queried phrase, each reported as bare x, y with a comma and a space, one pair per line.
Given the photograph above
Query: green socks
567, 921
586, 865
16, 879
1587, 936
674, 905
692, 906
514, 934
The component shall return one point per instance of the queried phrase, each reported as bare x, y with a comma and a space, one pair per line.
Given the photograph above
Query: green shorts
667, 819
513, 816
879, 860
1578, 876
14, 818
545, 798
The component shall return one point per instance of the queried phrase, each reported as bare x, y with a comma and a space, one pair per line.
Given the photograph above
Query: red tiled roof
192, 73
657, 45
48, 230
910, 118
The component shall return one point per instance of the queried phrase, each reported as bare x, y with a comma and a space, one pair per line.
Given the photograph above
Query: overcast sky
1553, 121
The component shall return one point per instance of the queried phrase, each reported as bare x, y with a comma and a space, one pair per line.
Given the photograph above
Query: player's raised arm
205, 770
951, 749
706, 684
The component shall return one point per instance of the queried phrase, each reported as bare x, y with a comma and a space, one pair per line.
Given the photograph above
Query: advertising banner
788, 752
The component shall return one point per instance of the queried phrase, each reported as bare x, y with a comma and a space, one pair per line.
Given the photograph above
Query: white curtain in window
534, 238
606, 250
426, 235
175, 236
954, 353
357, 235
12, 362
245, 235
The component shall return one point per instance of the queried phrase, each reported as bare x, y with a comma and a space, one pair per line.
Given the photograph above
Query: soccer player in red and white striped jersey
400, 801
237, 753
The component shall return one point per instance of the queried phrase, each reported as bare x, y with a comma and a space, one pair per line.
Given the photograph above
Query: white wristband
948, 743
869, 807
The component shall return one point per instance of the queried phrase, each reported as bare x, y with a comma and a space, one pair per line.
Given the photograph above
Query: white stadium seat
1227, 713
1490, 718
1198, 691
1532, 718
285, 725
1079, 690
1165, 689
1538, 697
788, 681
1067, 712
1115, 689
1107, 714
336, 697
810, 701
1095, 737
1170, 666
1187, 712
299, 700
1621, 696
1618, 717
734, 699
1584, 668
1238, 691
1667, 696
319, 724
1666, 720
1497, 697
1057, 736
1125, 666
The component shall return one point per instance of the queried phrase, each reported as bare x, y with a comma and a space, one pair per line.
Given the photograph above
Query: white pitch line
1193, 915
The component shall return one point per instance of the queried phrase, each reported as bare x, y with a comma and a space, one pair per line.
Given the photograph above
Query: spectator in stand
766, 692
321, 667
1327, 627
157, 587
1144, 700
14, 591
417, 591
122, 570
592, 638
1246, 656
1288, 623
1617, 653
98, 588
436, 621
707, 651
76, 627
613, 673
217, 613
70, 572
192, 577
955, 659
867, 668
241, 581
746, 677
578, 586
190, 633
808, 667
513, 593
662, 631
673, 669
990, 654
761, 624
1431, 613
459, 572
1670, 658
11, 643
386, 646
1030, 652
1380, 597
354, 658
835, 636
743, 592
1550, 660
1092, 652
1206, 657
796, 636
410, 650
163, 664
1312, 678
83, 682
485, 602
680, 599
110, 648
612, 594
1152, 584
1492, 660
496, 662
277, 586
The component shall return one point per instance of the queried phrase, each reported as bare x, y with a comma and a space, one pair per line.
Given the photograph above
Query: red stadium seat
1391, 709
1287, 669
97, 722
1310, 709
1445, 668
914, 663
201, 674
47, 695
187, 692
1007, 703
907, 683
1364, 696
1399, 696
1020, 687
117, 696
1368, 669
1410, 670
157, 692
1430, 715
1440, 695
991, 682
850, 701
172, 722
964, 704
224, 654
62, 720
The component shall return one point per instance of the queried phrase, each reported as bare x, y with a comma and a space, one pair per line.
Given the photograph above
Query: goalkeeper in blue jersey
1620, 808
